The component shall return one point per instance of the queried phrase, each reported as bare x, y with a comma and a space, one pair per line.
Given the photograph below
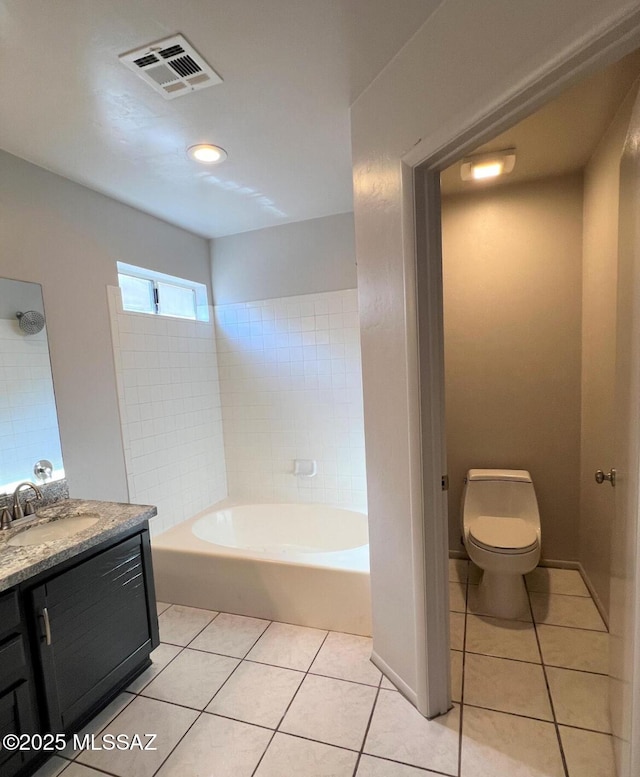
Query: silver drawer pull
47, 625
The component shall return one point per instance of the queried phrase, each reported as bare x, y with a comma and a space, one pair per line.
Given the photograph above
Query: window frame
200, 295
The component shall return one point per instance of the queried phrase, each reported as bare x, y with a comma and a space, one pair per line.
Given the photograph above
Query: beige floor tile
179, 625
457, 597
191, 679
456, 675
257, 693
399, 732
162, 606
588, 753
474, 605
557, 581
78, 770
456, 630
387, 684
217, 747
574, 648
169, 722
346, 657
498, 745
502, 638
287, 755
559, 610
458, 570
100, 721
370, 766
292, 647
331, 711
230, 635
580, 698
161, 656
505, 685
53, 767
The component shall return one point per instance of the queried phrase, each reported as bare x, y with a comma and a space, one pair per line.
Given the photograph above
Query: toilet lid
503, 534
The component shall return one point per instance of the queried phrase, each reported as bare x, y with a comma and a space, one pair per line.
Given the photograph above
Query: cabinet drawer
9, 612
16, 717
13, 662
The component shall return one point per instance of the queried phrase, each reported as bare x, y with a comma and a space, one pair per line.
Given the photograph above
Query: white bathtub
296, 563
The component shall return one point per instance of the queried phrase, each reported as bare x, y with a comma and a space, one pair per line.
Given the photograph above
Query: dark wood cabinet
93, 629
17, 698
71, 638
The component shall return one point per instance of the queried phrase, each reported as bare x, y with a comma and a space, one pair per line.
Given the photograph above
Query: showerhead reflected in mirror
28, 418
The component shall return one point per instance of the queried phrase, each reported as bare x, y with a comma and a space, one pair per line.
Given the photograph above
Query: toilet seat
503, 534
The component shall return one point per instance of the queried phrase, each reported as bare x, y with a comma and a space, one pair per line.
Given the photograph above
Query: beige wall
600, 257
439, 86
306, 257
68, 238
512, 302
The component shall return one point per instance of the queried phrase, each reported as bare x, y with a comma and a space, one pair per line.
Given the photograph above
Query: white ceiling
560, 137
291, 68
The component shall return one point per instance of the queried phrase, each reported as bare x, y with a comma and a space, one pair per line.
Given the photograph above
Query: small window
147, 291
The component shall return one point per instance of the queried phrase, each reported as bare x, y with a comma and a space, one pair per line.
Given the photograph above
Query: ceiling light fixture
207, 154
481, 167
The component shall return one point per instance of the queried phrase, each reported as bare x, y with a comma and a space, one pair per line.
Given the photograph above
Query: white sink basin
55, 530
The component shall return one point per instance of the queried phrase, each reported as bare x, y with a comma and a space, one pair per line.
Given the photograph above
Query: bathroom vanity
77, 618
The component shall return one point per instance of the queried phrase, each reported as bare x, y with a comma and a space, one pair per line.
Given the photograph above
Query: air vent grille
171, 66
172, 51
185, 66
148, 60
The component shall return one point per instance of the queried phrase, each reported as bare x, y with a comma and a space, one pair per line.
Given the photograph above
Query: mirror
28, 419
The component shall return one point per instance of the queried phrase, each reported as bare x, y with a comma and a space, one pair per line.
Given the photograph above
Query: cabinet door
95, 629
16, 717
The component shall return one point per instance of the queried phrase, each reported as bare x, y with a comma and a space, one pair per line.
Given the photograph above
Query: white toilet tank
500, 493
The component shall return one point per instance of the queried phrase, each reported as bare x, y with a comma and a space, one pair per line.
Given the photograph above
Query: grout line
509, 712
178, 743
95, 768
464, 659
574, 628
284, 714
77, 754
367, 727
546, 681
170, 661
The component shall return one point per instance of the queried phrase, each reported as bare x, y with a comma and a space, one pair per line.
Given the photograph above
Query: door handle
610, 476
47, 625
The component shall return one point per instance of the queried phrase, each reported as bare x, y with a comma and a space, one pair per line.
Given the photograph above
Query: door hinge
445, 482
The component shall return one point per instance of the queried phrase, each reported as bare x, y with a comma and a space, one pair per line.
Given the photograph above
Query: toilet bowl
501, 532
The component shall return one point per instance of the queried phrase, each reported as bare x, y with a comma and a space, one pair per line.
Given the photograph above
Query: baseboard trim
394, 678
596, 599
559, 564
554, 563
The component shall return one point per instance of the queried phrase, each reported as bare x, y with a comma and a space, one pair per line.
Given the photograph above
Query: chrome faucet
18, 512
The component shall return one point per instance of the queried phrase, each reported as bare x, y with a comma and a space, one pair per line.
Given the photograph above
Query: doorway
585, 371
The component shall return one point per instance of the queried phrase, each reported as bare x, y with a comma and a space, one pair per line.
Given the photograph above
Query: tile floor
229, 695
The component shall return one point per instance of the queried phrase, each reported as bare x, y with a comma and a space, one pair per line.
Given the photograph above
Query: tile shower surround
231, 696
291, 387
167, 378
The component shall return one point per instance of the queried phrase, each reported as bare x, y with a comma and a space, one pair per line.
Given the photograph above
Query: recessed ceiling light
207, 154
483, 166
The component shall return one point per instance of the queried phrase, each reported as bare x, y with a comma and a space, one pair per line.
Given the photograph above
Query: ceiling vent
171, 66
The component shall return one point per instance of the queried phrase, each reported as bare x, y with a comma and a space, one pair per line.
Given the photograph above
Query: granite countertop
20, 563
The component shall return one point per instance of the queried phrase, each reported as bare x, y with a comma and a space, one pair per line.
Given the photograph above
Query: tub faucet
18, 512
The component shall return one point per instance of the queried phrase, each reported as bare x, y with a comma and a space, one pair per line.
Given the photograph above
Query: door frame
423, 302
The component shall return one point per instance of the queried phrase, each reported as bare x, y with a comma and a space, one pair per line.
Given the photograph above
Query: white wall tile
170, 410
291, 387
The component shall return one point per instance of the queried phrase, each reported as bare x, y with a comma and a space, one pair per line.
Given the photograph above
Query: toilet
501, 532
